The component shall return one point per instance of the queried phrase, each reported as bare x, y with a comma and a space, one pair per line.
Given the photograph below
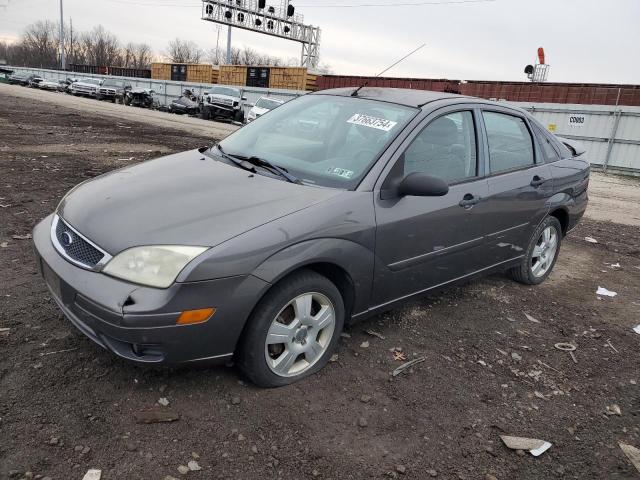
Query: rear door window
510, 142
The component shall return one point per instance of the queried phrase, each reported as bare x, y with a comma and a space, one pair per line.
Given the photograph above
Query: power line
398, 4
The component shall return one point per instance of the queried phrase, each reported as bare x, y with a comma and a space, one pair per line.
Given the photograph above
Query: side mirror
422, 185
244, 99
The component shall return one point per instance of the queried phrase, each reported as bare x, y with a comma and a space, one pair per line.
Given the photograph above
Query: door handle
468, 201
537, 181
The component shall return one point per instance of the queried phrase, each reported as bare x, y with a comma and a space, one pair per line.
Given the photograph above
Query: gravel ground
491, 367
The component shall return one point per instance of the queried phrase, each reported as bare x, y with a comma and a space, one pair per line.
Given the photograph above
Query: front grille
107, 91
221, 101
75, 247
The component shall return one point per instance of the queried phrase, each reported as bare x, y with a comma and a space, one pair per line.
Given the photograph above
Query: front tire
541, 254
293, 330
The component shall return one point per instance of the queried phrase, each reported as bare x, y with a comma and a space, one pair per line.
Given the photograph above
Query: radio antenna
355, 92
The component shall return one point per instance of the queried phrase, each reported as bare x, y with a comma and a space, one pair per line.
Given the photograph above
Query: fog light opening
190, 317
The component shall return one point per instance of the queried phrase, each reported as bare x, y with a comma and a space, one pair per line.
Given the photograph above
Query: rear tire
307, 339
541, 255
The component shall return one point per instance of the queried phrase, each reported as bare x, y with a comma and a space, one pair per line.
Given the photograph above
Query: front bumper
139, 323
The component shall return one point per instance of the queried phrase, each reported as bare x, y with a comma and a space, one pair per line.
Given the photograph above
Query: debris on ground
364, 345
4, 245
632, 453
334, 358
164, 402
613, 410
399, 356
4, 331
567, 347
614, 265
605, 293
92, 474
183, 469
156, 416
404, 366
22, 237
193, 466
531, 319
534, 446
590, 240
637, 329
45, 354
375, 334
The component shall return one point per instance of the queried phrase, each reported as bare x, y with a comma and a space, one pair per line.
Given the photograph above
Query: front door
422, 242
520, 184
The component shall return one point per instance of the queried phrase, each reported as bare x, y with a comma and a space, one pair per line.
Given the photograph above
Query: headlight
154, 266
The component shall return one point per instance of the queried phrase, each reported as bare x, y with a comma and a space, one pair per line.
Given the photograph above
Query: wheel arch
562, 215
345, 263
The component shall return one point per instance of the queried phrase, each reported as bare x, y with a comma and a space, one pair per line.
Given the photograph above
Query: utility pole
63, 62
228, 45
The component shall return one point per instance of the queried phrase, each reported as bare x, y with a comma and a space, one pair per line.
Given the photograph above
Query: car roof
408, 97
400, 96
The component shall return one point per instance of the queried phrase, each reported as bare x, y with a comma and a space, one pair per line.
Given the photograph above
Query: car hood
83, 84
183, 199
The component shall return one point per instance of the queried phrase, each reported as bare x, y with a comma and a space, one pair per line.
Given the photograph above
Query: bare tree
184, 51
40, 43
143, 56
101, 47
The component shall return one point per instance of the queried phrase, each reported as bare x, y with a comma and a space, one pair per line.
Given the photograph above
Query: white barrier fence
166, 90
610, 134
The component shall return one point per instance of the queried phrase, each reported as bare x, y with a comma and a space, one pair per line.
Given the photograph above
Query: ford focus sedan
333, 207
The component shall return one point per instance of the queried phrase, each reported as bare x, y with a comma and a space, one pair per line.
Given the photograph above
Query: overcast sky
585, 40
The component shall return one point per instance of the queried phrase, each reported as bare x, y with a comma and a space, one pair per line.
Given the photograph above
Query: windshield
91, 81
113, 83
268, 103
321, 139
231, 92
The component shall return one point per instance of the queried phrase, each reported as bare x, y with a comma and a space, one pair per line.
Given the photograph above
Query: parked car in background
262, 106
20, 78
87, 87
49, 85
262, 247
224, 103
140, 97
35, 81
65, 85
112, 89
187, 104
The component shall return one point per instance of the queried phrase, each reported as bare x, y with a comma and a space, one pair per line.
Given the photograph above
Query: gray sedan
329, 209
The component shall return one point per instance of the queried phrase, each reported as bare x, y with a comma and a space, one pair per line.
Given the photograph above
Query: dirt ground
67, 406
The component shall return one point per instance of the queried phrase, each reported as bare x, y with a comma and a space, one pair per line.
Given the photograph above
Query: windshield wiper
260, 162
240, 162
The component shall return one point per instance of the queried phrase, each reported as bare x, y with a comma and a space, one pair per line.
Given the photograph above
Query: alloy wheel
300, 334
544, 252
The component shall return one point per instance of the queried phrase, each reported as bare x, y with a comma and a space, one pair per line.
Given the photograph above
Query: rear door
422, 242
520, 183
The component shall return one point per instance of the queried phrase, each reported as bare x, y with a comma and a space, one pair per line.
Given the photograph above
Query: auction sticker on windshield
341, 172
372, 122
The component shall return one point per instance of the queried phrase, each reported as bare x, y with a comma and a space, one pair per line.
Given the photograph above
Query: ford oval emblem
67, 239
